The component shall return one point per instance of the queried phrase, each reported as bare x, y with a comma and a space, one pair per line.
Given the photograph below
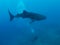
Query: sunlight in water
20, 6
33, 31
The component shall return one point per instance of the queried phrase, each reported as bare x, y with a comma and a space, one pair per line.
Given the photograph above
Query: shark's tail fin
11, 16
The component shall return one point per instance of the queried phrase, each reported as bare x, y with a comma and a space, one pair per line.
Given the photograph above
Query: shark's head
36, 16
41, 17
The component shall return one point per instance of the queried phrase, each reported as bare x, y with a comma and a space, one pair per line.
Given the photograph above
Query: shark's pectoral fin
32, 21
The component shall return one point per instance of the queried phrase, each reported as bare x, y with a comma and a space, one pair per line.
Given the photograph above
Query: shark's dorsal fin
24, 12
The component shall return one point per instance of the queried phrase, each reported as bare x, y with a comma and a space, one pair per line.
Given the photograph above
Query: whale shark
25, 14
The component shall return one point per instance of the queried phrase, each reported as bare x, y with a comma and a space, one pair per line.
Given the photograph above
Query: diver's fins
11, 16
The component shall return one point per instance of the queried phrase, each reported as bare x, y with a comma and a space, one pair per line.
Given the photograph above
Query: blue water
20, 32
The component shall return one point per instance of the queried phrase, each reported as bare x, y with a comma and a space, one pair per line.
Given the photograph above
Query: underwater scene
29, 22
